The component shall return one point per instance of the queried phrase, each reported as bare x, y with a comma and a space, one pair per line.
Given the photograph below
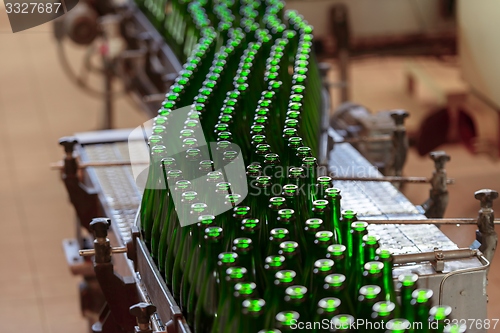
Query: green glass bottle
372, 273
438, 318
263, 184
251, 260
385, 256
204, 222
370, 245
297, 298
293, 144
383, 312
276, 237
303, 152
335, 286
275, 205
337, 253
275, 294
287, 321
185, 248
273, 264
323, 239
231, 230
253, 171
333, 196
422, 305
322, 268
230, 200
242, 291
152, 193
407, 285
291, 251
167, 164
326, 309
310, 166
311, 229
179, 233
232, 276
221, 147
260, 151
252, 315
272, 168
343, 323
348, 217
296, 176
320, 209
220, 194
172, 176
206, 305
250, 228
212, 179
357, 260
201, 300
288, 132
367, 297
291, 194
287, 219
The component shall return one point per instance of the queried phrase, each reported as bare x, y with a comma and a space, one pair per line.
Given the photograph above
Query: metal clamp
399, 140
83, 198
102, 247
143, 312
120, 292
436, 205
486, 234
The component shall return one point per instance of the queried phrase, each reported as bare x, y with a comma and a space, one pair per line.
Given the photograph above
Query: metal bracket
438, 262
143, 311
120, 292
436, 205
83, 198
399, 140
486, 235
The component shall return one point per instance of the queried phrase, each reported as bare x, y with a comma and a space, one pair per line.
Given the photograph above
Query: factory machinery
252, 61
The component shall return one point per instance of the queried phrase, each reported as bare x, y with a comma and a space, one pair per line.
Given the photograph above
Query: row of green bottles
191, 77
286, 240
283, 245
219, 79
285, 253
299, 294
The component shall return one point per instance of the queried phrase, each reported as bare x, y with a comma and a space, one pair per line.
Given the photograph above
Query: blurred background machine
132, 51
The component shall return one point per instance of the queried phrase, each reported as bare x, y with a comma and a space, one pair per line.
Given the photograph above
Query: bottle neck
370, 252
357, 257
407, 310
339, 263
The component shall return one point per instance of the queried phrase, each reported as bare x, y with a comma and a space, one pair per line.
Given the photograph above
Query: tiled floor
38, 105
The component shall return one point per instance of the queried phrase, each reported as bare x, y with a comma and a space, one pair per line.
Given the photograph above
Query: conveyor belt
381, 200
116, 183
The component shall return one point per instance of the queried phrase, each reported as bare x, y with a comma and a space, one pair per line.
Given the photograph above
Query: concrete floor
38, 105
